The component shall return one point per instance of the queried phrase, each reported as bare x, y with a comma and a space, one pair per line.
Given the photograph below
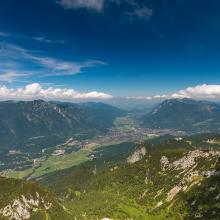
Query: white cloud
12, 76
48, 41
199, 92
3, 34
147, 97
141, 13
89, 4
40, 38
58, 67
135, 11
36, 91
43, 65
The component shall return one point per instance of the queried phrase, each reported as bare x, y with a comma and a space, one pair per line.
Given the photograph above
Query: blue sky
110, 48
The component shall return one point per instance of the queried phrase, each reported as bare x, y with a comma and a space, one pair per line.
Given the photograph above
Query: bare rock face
137, 155
164, 163
22, 207
189, 174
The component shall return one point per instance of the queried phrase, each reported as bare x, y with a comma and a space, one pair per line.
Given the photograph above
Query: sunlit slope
26, 200
186, 115
174, 179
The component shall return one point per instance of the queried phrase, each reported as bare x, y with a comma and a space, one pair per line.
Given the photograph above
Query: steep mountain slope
175, 179
101, 115
186, 115
104, 158
25, 200
22, 121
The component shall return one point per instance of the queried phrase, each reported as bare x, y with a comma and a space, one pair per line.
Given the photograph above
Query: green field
54, 163
19, 174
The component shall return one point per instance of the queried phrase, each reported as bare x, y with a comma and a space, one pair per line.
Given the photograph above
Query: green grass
55, 163
11, 189
19, 174
123, 193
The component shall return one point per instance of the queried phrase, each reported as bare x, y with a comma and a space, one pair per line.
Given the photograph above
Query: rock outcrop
137, 155
22, 207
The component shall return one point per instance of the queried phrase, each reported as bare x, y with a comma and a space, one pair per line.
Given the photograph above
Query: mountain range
53, 122
158, 178
186, 115
26, 120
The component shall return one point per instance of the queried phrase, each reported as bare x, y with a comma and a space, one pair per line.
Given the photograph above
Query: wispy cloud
59, 67
140, 12
17, 62
88, 4
133, 10
42, 39
48, 41
3, 34
36, 91
155, 97
12, 77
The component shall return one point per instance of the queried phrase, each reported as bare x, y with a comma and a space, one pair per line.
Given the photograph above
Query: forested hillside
172, 179
51, 122
190, 116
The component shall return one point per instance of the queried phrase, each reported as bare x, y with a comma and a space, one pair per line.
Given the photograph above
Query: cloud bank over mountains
198, 92
36, 91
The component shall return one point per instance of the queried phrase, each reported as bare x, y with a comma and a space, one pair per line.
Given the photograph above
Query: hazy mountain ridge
186, 115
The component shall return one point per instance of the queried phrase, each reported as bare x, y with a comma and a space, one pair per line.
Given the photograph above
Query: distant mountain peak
184, 114
180, 100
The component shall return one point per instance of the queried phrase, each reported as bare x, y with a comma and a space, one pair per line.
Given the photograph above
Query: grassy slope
11, 189
56, 163
121, 192
109, 187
